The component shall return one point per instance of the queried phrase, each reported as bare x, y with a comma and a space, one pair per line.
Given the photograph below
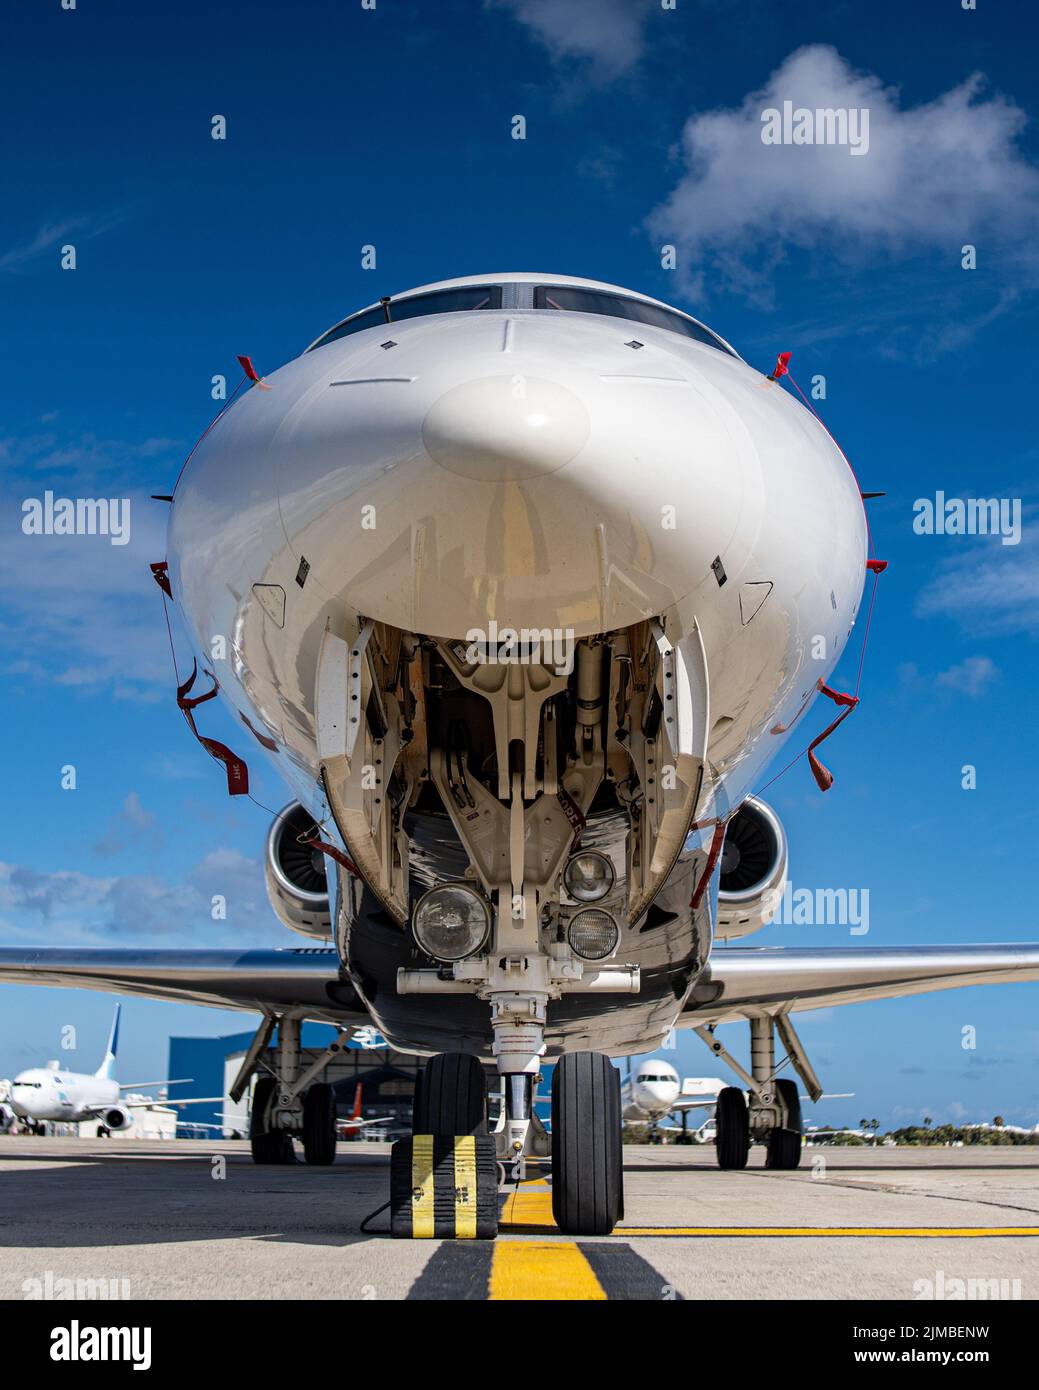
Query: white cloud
988, 589
936, 176
49, 235
49, 895
606, 34
76, 462
972, 676
80, 611
52, 234
74, 909
131, 827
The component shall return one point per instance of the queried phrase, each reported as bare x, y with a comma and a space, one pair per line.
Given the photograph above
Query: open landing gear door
668, 721
360, 737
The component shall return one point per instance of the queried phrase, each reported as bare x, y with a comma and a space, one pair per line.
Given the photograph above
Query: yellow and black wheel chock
444, 1187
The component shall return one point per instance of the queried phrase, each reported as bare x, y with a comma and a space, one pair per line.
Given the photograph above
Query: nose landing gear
585, 1144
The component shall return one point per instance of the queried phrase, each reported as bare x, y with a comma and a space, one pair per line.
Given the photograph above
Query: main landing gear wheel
451, 1096
268, 1146
732, 1141
784, 1145
319, 1125
587, 1158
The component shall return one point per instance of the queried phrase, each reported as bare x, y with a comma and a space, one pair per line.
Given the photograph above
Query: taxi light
593, 934
588, 876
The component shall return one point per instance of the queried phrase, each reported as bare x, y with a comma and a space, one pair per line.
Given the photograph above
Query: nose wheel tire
587, 1157
732, 1126
268, 1146
784, 1145
319, 1125
450, 1096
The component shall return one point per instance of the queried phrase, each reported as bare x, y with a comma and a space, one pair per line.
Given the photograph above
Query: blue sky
392, 127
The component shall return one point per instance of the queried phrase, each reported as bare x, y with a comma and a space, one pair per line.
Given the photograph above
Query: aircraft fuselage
385, 506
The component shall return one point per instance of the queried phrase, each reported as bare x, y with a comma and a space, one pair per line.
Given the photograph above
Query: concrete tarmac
197, 1219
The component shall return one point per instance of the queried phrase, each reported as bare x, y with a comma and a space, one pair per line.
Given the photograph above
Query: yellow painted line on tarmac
531, 1212
527, 1210
542, 1270
834, 1232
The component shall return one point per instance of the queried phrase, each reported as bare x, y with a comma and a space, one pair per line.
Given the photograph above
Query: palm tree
927, 1122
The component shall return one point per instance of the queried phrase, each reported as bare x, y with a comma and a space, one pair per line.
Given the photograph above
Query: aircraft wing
741, 981
143, 1085
738, 981
303, 981
156, 1103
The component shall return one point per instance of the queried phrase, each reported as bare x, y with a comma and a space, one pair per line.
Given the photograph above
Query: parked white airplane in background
67, 1097
7, 1115
655, 1091
523, 582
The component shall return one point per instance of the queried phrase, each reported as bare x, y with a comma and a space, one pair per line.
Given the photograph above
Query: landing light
588, 876
593, 934
451, 922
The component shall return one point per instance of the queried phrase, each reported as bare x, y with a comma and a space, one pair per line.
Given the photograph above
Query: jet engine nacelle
297, 884
116, 1117
753, 870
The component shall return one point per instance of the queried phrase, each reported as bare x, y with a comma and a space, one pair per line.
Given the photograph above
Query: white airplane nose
506, 428
547, 492
537, 472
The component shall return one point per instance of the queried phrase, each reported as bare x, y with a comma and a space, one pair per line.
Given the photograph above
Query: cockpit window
582, 301
416, 306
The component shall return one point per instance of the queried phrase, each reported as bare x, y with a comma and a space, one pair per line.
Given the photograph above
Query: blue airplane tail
107, 1067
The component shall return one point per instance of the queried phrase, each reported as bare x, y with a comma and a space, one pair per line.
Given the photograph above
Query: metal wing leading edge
741, 981
303, 981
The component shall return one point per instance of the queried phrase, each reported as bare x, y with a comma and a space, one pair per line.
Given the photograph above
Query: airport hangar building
387, 1080
386, 1077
